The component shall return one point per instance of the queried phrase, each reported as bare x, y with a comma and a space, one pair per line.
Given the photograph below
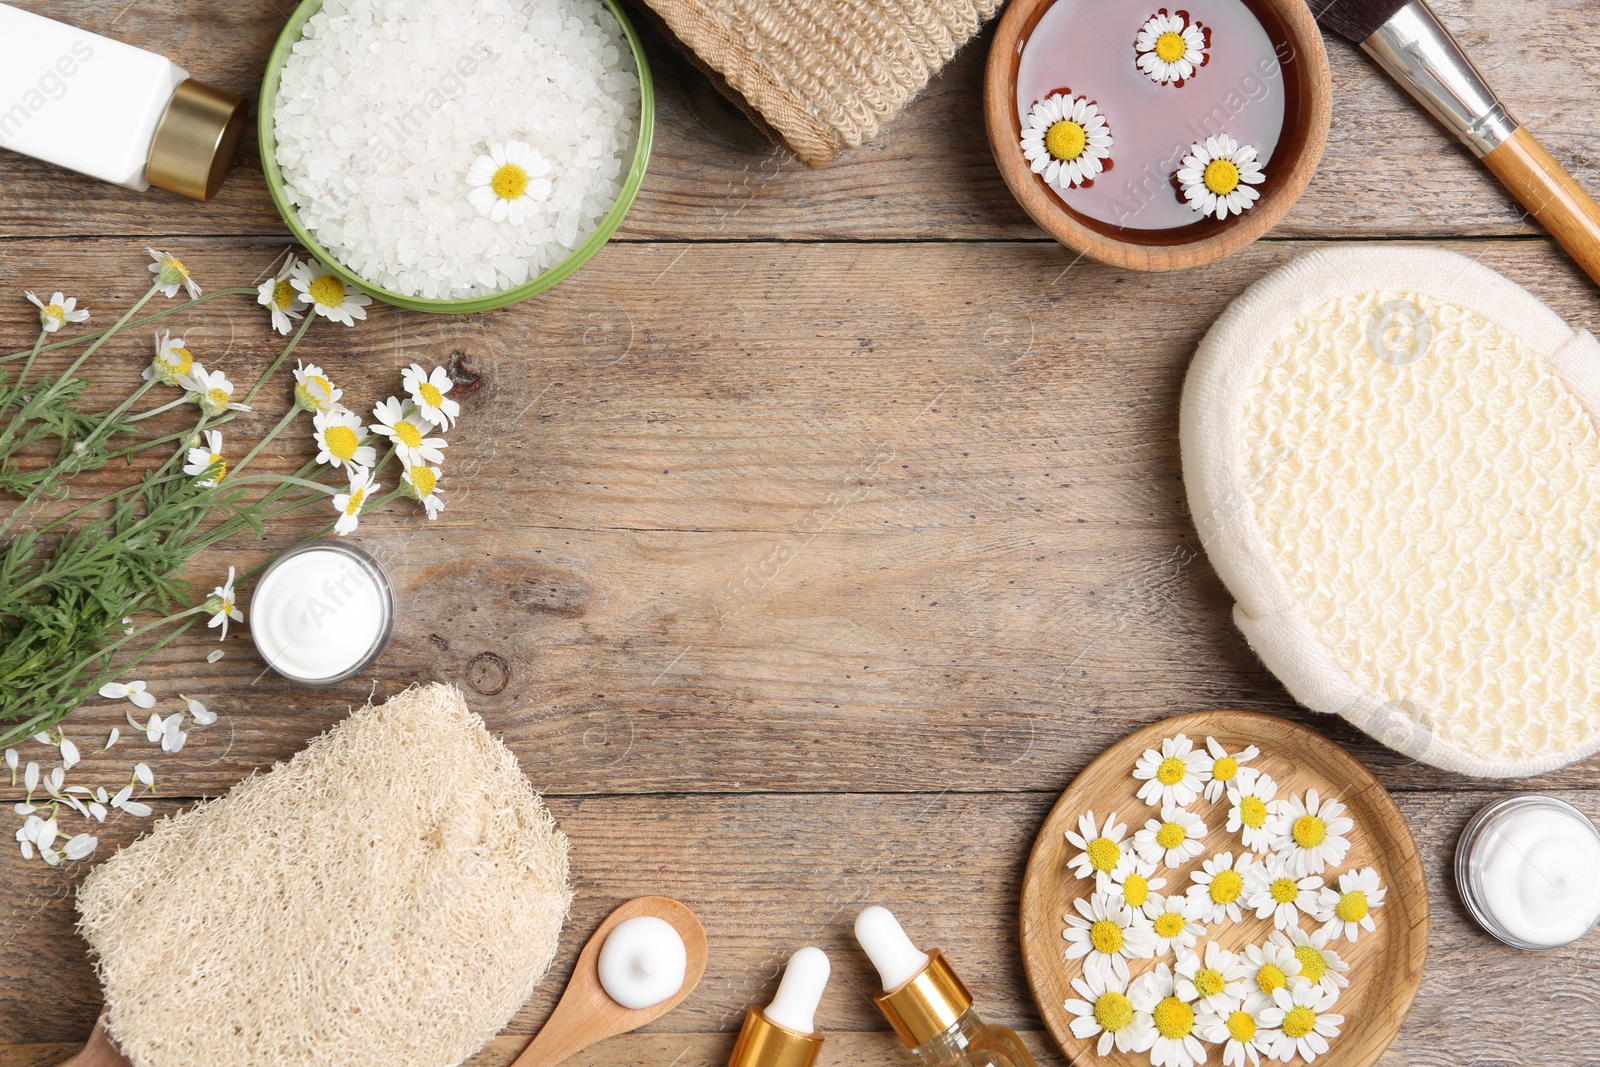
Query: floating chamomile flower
1106, 1010
278, 295
211, 390
1066, 140
1310, 833
208, 461
338, 434
1249, 803
1174, 922
428, 393
1319, 964
1225, 767
1173, 1016
1271, 888
349, 505
1240, 1034
61, 310
1217, 176
223, 605
1136, 882
422, 485
1173, 839
172, 362
1348, 909
509, 181
1301, 1015
327, 293
313, 391
1216, 980
1172, 775
1107, 934
1103, 856
171, 275
1170, 48
407, 432
1269, 967
1219, 886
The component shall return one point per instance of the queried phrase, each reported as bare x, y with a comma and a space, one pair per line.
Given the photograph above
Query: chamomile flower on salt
1215, 980
1218, 886
1271, 888
1310, 833
362, 489
338, 435
1304, 1020
1225, 767
1173, 921
1103, 856
1249, 804
422, 485
1173, 1016
1269, 968
278, 295
1173, 775
509, 182
1173, 839
208, 461
408, 432
172, 362
171, 275
1217, 176
1319, 964
1106, 1010
136, 692
1106, 933
313, 391
223, 605
428, 393
61, 310
1240, 1034
1136, 882
211, 390
327, 294
1348, 909
1169, 48
1066, 140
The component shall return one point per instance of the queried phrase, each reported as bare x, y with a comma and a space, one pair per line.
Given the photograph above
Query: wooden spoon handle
1552, 195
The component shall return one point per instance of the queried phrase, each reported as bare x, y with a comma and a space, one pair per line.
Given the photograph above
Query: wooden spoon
586, 1015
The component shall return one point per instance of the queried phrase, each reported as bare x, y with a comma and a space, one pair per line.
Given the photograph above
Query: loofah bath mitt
1393, 461
391, 895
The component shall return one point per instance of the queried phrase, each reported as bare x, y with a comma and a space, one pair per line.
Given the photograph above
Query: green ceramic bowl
580, 255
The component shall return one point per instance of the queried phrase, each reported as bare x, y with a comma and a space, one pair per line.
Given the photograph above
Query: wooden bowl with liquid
1264, 81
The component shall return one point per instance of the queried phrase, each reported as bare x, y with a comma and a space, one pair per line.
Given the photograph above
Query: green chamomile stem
179, 435
38, 346
285, 479
168, 406
305, 324
283, 424
108, 498
82, 338
147, 627
226, 530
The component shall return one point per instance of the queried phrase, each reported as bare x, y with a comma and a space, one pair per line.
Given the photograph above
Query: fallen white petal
22, 807
122, 796
143, 699
98, 810
69, 754
137, 810
112, 740
142, 772
113, 690
30, 777
81, 846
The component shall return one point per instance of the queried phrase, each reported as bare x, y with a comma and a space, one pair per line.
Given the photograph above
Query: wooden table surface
809, 541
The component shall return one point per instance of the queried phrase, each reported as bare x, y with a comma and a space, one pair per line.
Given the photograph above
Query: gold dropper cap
928, 1004
764, 1043
196, 140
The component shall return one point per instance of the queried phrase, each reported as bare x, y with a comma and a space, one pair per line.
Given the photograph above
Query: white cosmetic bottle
110, 110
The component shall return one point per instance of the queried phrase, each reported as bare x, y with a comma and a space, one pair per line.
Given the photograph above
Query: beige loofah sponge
391, 895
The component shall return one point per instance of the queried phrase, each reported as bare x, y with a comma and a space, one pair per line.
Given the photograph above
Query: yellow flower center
1227, 886
1253, 812
1169, 924
424, 480
1310, 831
341, 441
1171, 771
54, 312
1222, 176
356, 500
174, 264
218, 398
1174, 1018
430, 394
1136, 889
1285, 891
218, 467
1209, 983
282, 295
1113, 1012
327, 291
1271, 978
1313, 965
180, 360
1104, 935
1225, 769
1171, 835
1352, 907
1299, 1022
406, 433
1171, 47
510, 182
1242, 1026
1066, 139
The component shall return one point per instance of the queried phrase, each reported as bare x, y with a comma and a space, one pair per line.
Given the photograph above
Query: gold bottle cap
196, 140
764, 1043
928, 1004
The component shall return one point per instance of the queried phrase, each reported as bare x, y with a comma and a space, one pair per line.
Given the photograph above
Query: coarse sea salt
384, 105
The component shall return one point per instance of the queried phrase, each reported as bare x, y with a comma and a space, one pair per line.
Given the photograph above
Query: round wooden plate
1385, 965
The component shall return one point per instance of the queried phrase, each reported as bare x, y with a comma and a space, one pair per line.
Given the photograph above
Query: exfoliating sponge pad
1393, 462
391, 895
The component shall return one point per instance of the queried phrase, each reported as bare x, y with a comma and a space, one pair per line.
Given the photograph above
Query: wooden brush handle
1552, 195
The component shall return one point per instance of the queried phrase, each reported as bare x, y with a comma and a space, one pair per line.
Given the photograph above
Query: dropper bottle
783, 1034
928, 1006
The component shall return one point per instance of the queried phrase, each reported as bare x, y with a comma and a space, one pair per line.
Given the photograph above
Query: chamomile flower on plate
208, 460
338, 434
1225, 767
172, 362
1310, 833
277, 294
1250, 802
1173, 1017
1173, 839
1106, 1010
1305, 1020
1106, 935
1319, 964
1216, 978
1174, 775
1136, 881
1218, 887
1240, 1034
1218, 176
408, 432
327, 293
61, 310
1173, 923
1272, 891
1347, 910
1065, 140
1103, 855
1269, 968
1170, 48
510, 182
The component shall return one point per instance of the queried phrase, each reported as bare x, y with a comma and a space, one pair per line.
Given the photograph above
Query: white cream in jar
322, 612
642, 962
1528, 868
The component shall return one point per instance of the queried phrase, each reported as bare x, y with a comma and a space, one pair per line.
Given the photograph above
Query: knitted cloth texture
390, 895
822, 75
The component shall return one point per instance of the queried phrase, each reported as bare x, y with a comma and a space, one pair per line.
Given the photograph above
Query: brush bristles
1355, 20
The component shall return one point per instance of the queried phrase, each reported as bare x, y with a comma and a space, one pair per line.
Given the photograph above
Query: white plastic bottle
784, 1033
110, 110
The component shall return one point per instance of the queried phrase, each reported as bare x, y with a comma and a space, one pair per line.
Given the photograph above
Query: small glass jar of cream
1528, 868
322, 612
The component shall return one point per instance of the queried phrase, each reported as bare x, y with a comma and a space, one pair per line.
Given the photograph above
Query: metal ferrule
927, 1005
1422, 56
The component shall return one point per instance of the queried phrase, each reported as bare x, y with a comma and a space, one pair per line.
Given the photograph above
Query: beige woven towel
820, 76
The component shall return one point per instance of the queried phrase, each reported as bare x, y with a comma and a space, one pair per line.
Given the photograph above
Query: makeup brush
1407, 40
